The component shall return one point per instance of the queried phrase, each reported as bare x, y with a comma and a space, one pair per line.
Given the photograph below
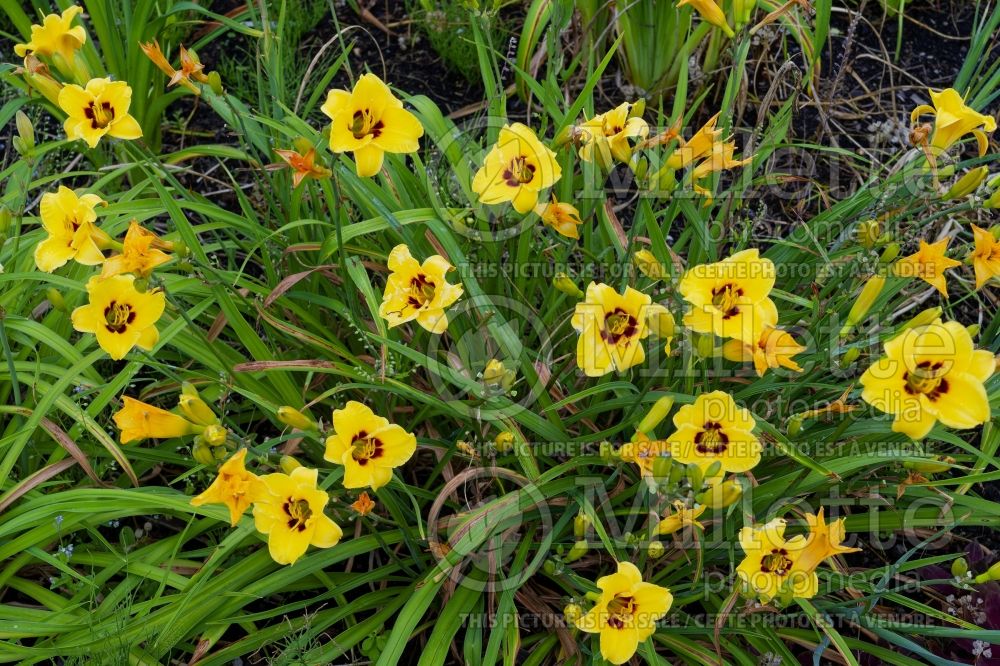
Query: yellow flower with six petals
929, 264
985, 257
953, 120
138, 420
930, 373
367, 445
418, 291
642, 451
606, 135
680, 518
69, 221
773, 565
774, 349
289, 510
516, 169
55, 36
369, 121
100, 108
561, 216
234, 486
139, 255
626, 612
730, 298
120, 316
611, 327
715, 429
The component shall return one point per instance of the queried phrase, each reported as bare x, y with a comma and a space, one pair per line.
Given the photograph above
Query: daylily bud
721, 495
56, 299
959, 567
215, 82
607, 451
497, 376
563, 283
215, 435
993, 573
695, 475
794, 425
850, 356
572, 613
220, 453
656, 413
564, 136
289, 464
869, 293
655, 550
967, 184
742, 9
296, 419
704, 345
640, 165
712, 471
202, 452
638, 108
25, 133
6, 218
934, 465
580, 524
549, 567
504, 441
661, 467
973, 330
868, 233
923, 318
993, 201
194, 408
677, 474
37, 75
578, 550
890, 252
647, 264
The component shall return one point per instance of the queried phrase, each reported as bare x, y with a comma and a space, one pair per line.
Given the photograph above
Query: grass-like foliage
301, 366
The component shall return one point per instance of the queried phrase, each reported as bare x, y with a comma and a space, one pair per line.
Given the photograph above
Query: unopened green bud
659, 411
704, 345
869, 294
549, 567
607, 451
580, 524
637, 108
959, 567
56, 299
215, 83
563, 283
794, 425
662, 465
294, 418
967, 184
712, 471
6, 219
289, 464
923, 318
890, 252
202, 452
572, 613
849, 357
677, 473
721, 495
742, 10
215, 435
868, 233
973, 330
25, 133
933, 465
564, 136
194, 408
655, 550
993, 573
578, 550
695, 475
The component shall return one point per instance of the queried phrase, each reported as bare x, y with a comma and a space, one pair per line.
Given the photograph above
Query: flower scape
480, 332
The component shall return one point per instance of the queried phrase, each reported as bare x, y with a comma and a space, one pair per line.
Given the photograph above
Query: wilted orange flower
303, 165
364, 504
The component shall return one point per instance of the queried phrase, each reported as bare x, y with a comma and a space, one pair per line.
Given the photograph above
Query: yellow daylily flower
120, 316
715, 429
824, 541
642, 451
775, 348
69, 221
719, 158
55, 36
100, 108
289, 510
953, 120
985, 257
138, 421
139, 254
626, 612
561, 216
929, 264
700, 145
930, 373
369, 122
418, 291
234, 486
303, 165
611, 327
710, 11
516, 169
775, 566
680, 518
730, 298
367, 445
606, 135
661, 324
